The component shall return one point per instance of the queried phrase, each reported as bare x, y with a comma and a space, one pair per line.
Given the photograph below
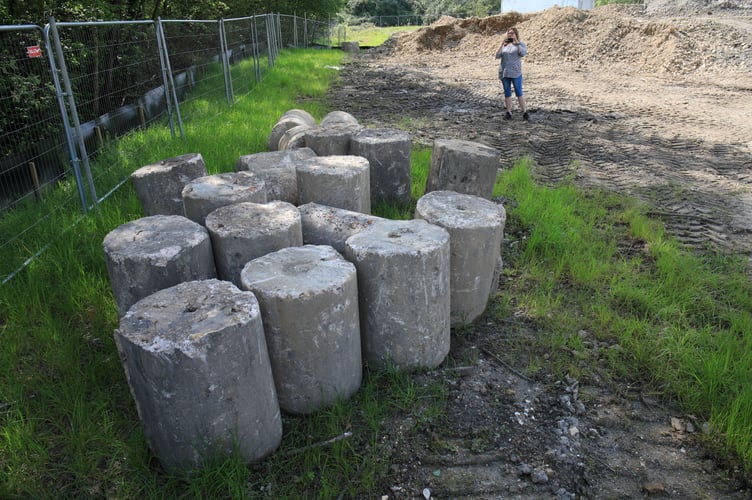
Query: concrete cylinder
331, 139
198, 368
159, 186
476, 227
388, 152
339, 117
464, 167
403, 292
156, 252
336, 181
203, 195
309, 305
293, 138
245, 231
277, 169
352, 48
289, 119
325, 225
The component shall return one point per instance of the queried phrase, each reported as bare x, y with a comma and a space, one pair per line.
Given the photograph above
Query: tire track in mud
699, 189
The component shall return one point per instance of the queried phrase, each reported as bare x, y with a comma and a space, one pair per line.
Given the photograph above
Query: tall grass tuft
676, 321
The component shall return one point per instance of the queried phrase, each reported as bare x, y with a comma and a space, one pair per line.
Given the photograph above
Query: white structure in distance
527, 6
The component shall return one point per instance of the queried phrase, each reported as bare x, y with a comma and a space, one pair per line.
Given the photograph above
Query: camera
509, 40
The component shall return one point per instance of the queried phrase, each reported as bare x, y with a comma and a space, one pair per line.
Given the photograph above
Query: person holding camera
511, 53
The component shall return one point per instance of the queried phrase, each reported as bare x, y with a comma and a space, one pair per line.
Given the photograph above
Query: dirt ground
652, 101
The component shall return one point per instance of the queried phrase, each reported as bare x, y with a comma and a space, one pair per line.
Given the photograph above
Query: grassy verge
623, 303
369, 35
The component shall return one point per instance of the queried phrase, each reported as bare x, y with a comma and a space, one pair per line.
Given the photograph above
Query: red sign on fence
34, 51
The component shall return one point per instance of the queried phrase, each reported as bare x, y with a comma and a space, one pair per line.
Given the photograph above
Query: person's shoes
508, 116
525, 116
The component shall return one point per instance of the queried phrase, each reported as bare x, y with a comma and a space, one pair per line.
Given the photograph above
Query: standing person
511, 53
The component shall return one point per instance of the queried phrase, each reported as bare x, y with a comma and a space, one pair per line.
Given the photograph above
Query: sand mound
612, 34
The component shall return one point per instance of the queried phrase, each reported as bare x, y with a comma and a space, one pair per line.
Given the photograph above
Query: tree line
39, 11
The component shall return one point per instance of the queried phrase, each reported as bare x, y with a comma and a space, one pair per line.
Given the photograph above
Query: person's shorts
508, 83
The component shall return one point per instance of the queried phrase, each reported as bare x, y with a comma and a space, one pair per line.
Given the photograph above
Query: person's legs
520, 96
507, 84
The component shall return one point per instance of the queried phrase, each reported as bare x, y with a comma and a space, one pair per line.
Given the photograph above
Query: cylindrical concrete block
336, 181
203, 195
338, 117
291, 118
159, 186
293, 138
476, 227
351, 48
156, 252
331, 139
403, 292
309, 304
277, 169
198, 368
464, 167
325, 225
245, 231
388, 152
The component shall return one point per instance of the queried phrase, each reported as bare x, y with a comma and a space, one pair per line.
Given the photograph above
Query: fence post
225, 63
256, 55
67, 91
169, 83
305, 30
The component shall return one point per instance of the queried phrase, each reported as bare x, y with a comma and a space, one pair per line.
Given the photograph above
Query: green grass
581, 262
372, 36
677, 323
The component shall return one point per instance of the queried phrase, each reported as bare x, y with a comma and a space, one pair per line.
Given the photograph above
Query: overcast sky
536, 5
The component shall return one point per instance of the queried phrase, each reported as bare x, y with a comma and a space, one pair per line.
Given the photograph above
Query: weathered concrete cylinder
403, 292
309, 304
196, 361
291, 118
336, 181
245, 231
325, 225
277, 169
351, 48
155, 252
331, 139
476, 227
293, 138
159, 186
388, 152
464, 167
203, 195
339, 117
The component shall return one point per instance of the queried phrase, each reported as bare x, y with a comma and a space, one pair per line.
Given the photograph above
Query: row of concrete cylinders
211, 362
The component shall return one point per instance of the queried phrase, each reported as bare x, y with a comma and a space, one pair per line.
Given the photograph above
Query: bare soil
654, 102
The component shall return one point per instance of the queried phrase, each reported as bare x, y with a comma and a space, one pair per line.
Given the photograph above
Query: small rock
426, 493
524, 469
654, 488
539, 476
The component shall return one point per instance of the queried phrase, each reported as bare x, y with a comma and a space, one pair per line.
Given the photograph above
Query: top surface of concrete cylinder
159, 186
277, 169
203, 195
155, 252
339, 117
449, 209
245, 231
325, 225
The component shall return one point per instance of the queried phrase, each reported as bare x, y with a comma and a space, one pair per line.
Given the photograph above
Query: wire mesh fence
66, 89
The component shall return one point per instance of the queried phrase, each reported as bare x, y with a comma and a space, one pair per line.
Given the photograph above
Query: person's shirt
511, 60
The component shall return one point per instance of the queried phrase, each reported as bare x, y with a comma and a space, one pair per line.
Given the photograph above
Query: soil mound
606, 35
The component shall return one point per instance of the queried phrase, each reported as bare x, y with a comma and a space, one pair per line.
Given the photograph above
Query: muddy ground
654, 103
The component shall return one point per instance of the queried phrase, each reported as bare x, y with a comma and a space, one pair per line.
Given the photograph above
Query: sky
525, 6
